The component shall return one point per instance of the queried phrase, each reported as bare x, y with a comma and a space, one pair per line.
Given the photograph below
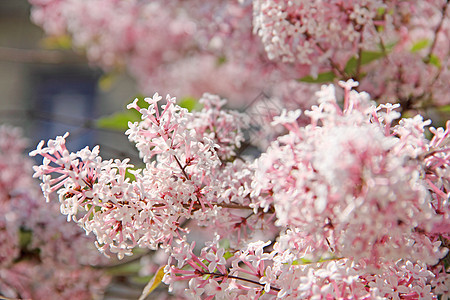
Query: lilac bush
42, 255
182, 46
347, 192
353, 205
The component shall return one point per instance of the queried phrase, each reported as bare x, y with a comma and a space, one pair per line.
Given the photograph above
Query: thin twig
182, 168
332, 63
241, 278
438, 28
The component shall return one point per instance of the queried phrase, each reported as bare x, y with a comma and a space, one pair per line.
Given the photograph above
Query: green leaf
25, 236
118, 121
305, 261
224, 243
141, 102
380, 28
57, 42
321, 78
386, 48
350, 67
227, 255
445, 108
381, 11
221, 60
190, 103
141, 279
127, 269
6, 298
129, 175
434, 60
153, 283
421, 44
369, 56
366, 57
106, 81
302, 261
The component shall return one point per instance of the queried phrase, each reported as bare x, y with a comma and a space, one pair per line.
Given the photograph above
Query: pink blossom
38, 258
351, 205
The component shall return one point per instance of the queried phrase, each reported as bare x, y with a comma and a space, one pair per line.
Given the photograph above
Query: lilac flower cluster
353, 205
41, 255
182, 46
188, 167
349, 197
354, 172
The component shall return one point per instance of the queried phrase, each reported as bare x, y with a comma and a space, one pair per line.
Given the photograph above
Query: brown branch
436, 32
182, 168
224, 205
240, 278
359, 61
333, 64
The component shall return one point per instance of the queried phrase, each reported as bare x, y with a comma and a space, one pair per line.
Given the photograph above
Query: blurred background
49, 91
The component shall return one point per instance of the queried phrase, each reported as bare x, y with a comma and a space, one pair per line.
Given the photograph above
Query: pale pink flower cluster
408, 36
161, 43
180, 47
189, 171
416, 72
354, 184
253, 273
355, 204
117, 32
38, 258
315, 33
263, 45
12, 186
357, 193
